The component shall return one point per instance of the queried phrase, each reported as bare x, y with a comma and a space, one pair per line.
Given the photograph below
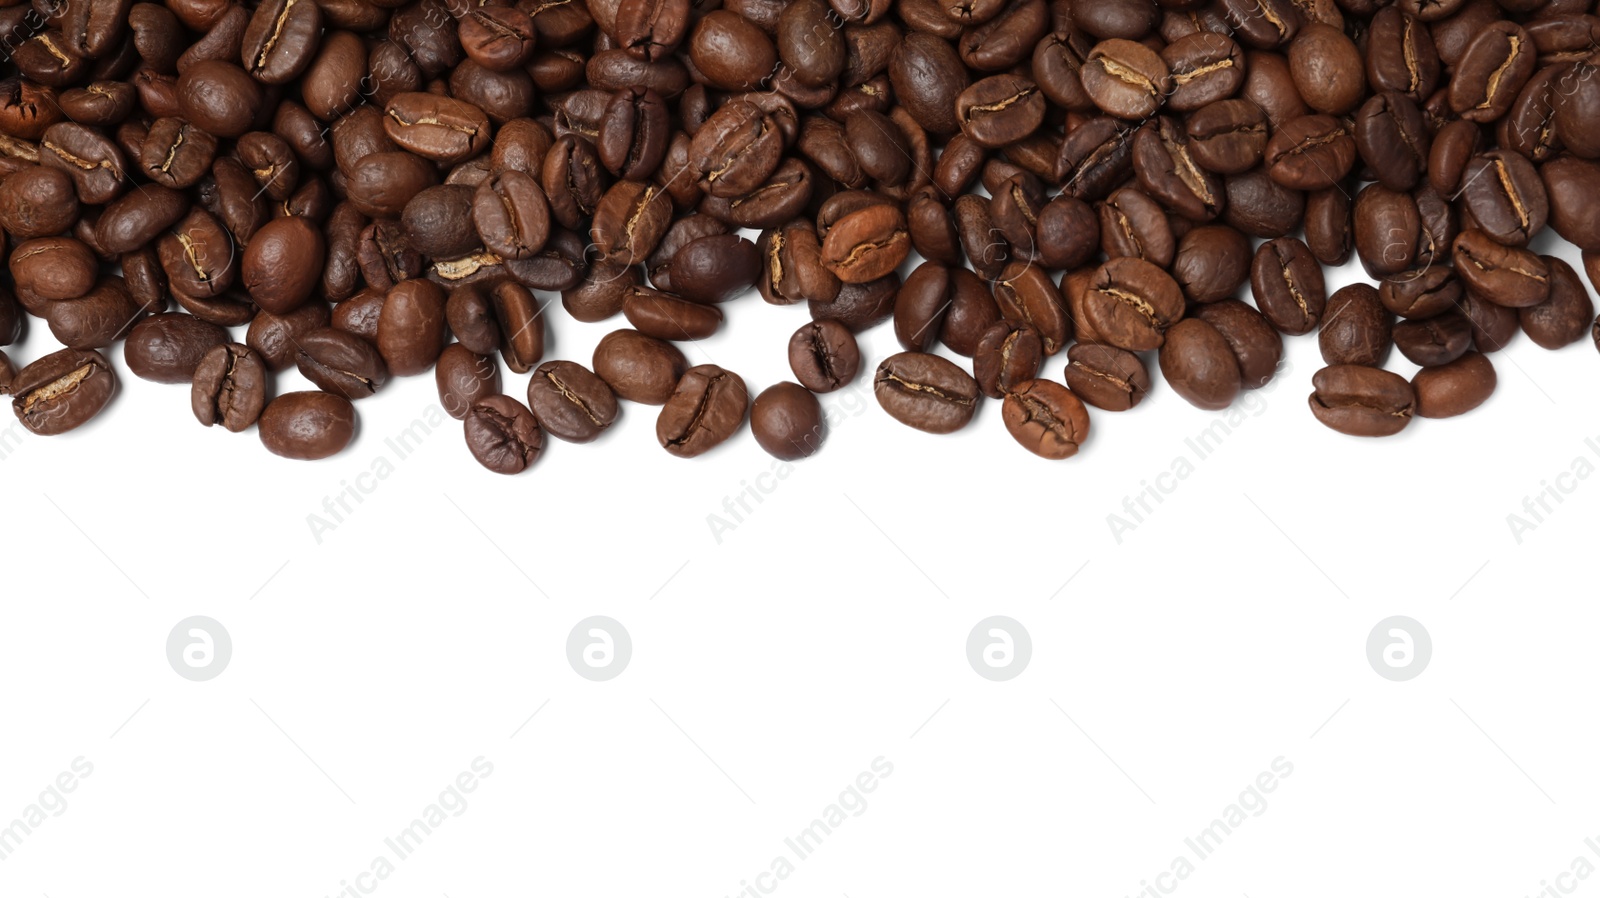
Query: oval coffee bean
62, 391
342, 363
1046, 418
1106, 377
503, 435
166, 348
1455, 388
1362, 401
639, 368
926, 392
1130, 303
1287, 284
706, 408
1200, 365
308, 425
463, 377
824, 356
1008, 355
571, 401
230, 387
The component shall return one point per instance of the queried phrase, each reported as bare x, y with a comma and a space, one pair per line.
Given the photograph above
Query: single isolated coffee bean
787, 421
824, 355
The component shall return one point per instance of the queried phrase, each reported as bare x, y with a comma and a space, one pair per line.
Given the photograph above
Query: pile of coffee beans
373, 189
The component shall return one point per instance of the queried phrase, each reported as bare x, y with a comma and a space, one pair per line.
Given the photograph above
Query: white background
827, 629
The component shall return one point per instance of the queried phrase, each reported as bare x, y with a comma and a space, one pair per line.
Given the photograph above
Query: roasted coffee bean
715, 268
1327, 68
1095, 158
522, 325
341, 362
176, 153
730, 52
1027, 296
668, 317
37, 201
633, 135
283, 264
787, 421
860, 306
220, 98
1356, 328
470, 316
1287, 284
308, 424
1106, 377
1007, 355
1130, 303
1228, 137
1211, 263
62, 391
463, 377
1392, 139
926, 392
1310, 153
96, 319
866, 244
1263, 24
1256, 345
1206, 68
8, 371
1569, 184
571, 402
275, 338
503, 435
54, 268
411, 327
230, 387
1505, 196
1434, 341
1506, 275
1046, 418
381, 184
1330, 234
438, 222
140, 218
97, 167
639, 368
1168, 172
920, 309
1454, 388
651, 29
442, 129
1002, 109
1260, 206
707, 406
1134, 225
630, 220
824, 356
1126, 79
1387, 227
1362, 401
1401, 55
1491, 72
1564, 317
166, 348
1199, 364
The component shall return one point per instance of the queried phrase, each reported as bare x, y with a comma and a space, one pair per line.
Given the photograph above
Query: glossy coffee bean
1362, 401
1046, 418
166, 348
463, 377
926, 392
503, 435
62, 391
1008, 354
571, 401
824, 356
639, 368
1506, 275
230, 387
1454, 388
1106, 377
411, 327
1563, 318
1130, 304
340, 362
307, 425
1356, 329
283, 264
787, 421
1211, 263
1434, 341
1287, 284
1199, 364
1257, 346
707, 406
